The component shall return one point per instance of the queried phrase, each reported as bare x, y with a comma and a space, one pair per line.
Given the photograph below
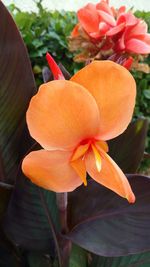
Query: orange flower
72, 120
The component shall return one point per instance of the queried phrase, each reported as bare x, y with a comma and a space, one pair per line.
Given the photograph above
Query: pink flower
134, 38
109, 30
98, 19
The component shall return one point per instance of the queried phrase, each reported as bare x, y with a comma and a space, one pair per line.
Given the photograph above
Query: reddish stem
128, 63
62, 201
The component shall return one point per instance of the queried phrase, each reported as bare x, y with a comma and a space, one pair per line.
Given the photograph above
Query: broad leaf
5, 193
26, 222
128, 149
106, 224
16, 88
7, 259
137, 260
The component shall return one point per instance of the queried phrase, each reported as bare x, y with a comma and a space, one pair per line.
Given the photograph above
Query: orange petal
110, 175
51, 170
102, 145
62, 114
114, 90
79, 167
79, 152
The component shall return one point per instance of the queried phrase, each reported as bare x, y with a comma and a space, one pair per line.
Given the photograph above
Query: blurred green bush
143, 84
48, 31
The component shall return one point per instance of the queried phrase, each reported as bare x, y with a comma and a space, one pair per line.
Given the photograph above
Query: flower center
77, 160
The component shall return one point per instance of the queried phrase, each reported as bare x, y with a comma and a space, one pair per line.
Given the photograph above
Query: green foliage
78, 257
137, 260
143, 98
143, 83
46, 31
145, 16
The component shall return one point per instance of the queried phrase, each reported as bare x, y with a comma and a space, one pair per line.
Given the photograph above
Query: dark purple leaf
127, 150
5, 193
64, 71
106, 224
26, 223
47, 75
16, 88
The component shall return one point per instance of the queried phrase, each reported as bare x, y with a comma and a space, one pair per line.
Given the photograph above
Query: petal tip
131, 199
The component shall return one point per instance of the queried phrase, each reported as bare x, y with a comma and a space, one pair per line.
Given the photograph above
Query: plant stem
52, 227
62, 201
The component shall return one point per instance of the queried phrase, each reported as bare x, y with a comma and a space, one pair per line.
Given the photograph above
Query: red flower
97, 20
109, 31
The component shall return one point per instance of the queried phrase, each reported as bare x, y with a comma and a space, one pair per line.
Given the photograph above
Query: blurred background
30, 5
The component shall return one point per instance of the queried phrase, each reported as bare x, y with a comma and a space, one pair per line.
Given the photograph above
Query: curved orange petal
51, 170
79, 167
114, 90
110, 175
89, 18
62, 114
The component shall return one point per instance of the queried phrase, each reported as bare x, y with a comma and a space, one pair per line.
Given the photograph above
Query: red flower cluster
104, 30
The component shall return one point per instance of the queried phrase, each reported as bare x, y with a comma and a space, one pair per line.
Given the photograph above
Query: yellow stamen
79, 167
97, 158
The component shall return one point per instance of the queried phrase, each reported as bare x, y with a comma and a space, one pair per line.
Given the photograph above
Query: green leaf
127, 150
37, 259
16, 88
106, 224
137, 260
147, 94
78, 257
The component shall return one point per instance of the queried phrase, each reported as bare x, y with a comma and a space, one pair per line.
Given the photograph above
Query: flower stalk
65, 245
62, 201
